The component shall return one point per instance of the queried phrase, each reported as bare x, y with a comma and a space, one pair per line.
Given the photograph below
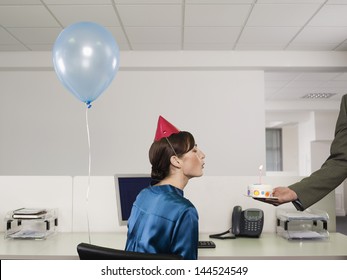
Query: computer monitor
127, 188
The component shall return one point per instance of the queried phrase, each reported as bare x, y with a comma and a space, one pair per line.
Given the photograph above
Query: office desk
268, 246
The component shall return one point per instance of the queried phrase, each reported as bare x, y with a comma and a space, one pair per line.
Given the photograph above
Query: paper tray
313, 215
28, 234
302, 225
303, 234
30, 223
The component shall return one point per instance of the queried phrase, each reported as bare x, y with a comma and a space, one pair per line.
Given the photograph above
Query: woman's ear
175, 161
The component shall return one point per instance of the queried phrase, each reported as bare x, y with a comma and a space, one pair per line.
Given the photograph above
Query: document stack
31, 223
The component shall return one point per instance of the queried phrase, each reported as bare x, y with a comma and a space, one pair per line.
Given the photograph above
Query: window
274, 161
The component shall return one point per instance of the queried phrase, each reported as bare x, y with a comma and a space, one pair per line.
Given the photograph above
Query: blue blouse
163, 221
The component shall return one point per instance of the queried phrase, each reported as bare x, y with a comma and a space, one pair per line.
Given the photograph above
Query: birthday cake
259, 190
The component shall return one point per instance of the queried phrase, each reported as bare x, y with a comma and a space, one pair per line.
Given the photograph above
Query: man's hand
280, 195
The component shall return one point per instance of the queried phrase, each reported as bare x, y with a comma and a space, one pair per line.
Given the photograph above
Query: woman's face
193, 163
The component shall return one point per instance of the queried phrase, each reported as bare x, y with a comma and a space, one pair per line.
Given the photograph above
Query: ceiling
237, 25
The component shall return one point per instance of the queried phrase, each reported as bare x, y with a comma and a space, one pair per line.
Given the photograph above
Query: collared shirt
163, 221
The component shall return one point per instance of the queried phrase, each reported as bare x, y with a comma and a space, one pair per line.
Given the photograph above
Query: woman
162, 220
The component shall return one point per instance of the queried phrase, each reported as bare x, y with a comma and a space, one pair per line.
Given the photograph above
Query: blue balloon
86, 59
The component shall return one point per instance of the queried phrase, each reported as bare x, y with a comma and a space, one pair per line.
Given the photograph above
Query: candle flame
260, 173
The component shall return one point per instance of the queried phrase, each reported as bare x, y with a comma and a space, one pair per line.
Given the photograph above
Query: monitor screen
127, 188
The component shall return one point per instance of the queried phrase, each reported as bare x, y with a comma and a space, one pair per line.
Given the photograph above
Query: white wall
306, 135
290, 149
325, 123
219, 96
300, 128
43, 126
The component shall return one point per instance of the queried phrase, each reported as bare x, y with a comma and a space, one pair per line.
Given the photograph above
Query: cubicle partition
91, 206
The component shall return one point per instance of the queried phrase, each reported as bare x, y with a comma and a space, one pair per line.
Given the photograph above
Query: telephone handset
236, 220
247, 223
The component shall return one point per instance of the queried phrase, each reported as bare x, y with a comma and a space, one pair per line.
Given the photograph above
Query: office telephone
246, 223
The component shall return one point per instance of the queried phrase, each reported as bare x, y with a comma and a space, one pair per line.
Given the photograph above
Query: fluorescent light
318, 95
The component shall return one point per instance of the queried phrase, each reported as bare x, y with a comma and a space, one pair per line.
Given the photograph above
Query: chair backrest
94, 252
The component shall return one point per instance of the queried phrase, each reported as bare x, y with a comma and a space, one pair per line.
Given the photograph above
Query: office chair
94, 252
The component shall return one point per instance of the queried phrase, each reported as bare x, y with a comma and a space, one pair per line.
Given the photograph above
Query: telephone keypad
252, 225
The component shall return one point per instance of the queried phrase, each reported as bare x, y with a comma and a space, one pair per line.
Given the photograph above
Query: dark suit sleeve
333, 171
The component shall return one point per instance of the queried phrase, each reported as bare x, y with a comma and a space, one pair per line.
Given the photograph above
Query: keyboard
206, 244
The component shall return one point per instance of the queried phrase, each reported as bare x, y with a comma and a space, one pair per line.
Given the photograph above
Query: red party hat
164, 129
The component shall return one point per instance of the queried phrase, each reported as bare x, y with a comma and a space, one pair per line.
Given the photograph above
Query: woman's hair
160, 152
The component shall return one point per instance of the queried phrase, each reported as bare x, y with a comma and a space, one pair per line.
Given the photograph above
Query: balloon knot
88, 104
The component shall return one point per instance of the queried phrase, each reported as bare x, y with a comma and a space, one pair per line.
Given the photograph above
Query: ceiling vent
318, 95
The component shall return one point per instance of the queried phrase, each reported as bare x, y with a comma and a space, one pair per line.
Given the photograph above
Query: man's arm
321, 182
334, 170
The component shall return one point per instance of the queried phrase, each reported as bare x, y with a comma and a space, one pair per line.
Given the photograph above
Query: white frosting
259, 190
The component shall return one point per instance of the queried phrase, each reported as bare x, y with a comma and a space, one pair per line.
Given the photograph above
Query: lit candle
260, 173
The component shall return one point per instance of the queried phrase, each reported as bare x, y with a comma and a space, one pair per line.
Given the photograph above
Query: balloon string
89, 168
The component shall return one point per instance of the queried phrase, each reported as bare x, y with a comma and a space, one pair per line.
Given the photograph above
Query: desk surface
268, 246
